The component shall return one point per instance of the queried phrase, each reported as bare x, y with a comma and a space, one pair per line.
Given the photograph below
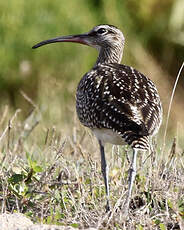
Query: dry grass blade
9, 124
170, 105
4, 114
28, 99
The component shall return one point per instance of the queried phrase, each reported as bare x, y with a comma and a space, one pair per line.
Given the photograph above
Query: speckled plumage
120, 98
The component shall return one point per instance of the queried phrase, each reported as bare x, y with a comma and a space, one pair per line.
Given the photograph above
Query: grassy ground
53, 176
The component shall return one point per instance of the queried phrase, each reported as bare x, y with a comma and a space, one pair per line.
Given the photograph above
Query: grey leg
132, 174
104, 169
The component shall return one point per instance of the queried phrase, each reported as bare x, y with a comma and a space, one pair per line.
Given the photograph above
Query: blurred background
47, 77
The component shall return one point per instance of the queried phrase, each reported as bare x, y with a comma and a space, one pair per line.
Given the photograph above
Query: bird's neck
110, 55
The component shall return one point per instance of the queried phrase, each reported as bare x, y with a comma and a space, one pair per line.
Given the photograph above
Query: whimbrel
118, 103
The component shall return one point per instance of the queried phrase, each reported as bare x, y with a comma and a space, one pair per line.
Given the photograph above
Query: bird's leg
104, 169
132, 174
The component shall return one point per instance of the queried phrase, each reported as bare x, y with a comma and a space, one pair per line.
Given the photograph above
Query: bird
118, 103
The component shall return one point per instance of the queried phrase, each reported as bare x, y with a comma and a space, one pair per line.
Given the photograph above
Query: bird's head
104, 36
101, 36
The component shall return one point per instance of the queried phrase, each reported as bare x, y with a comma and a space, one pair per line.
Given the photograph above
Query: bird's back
121, 99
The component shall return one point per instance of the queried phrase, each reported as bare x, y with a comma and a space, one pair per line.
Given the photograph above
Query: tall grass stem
170, 105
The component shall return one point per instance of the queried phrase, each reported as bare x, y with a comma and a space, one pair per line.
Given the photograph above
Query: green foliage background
50, 74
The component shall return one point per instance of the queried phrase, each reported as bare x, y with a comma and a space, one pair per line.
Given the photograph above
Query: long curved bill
80, 38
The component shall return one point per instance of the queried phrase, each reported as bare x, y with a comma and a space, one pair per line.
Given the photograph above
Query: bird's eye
101, 31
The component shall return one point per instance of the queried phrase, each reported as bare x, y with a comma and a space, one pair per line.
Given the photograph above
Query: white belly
108, 136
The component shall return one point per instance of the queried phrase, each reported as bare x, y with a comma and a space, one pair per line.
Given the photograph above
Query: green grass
53, 176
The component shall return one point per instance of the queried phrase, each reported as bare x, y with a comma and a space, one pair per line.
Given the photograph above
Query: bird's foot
107, 207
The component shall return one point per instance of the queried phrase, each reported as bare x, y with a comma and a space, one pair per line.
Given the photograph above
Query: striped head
103, 36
